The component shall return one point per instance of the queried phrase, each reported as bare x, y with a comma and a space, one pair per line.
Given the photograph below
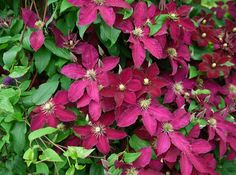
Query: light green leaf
42, 168
50, 155
10, 55
19, 71
41, 132
159, 21
130, 157
18, 136
193, 72
78, 152
71, 170
64, 6
136, 143
42, 58
44, 92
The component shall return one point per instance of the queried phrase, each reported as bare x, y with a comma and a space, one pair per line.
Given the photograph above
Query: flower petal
95, 110
73, 71
128, 117
103, 145
61, 97
77, 3
87, 14
149, 123
163, 143
76, 90
82, 130
65, 115
134, 85
201, 146
117, 3
145, 157
37, 122
130, 97
109, 63
83, 101
108, 15
185, 165
37, 40
90, 141
29, 17
138, 53
93, 91
113, 134
153, 46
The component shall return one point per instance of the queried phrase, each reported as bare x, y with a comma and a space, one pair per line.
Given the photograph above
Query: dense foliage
117, 87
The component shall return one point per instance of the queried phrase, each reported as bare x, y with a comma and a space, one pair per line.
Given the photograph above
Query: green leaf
159, 21
42, 58
18, 136
60, 52
136, 143
19, 71
109, 34
44, 92
50, 155
71, 170
5, 104
10, 55
193, 72
29, 156
96, 169
82, 30
6, 39
42, 168
130, 157
78, 152
201, 91
64, 6
228, 168
198, 52
192, 106
112, 158
41, 132
126, 13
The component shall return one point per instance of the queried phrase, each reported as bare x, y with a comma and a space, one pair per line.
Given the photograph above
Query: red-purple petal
73, 71
37, 40
113, 134
108, 15
87, 14
76, 90
163, 143
103, 145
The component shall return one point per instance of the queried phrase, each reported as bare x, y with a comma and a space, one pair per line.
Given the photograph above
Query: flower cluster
175, 91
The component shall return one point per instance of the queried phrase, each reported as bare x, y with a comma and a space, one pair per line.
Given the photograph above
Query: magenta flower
178, 53
33, 21
138, 167
122, 87
232, 8
150, 111
219, 10
99, 133
51, 112
213, 65
230, 87
139, 35
90, 77
152, 84
178, 88
168, 133
88, 10
178, 17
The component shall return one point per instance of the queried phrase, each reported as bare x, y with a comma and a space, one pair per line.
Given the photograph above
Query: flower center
204, 35
39, 24
48, 107
99, 2
212, 122
234, 30
178, 88
213, 65
172, 52
98, 129
167, 127
173, 16
91, 74
138, 32
146, 81
144, 104
232, 89
121, 87
204, 21
131, 171
225, 45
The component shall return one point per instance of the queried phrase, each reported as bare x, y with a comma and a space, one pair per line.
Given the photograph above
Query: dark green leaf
42, 58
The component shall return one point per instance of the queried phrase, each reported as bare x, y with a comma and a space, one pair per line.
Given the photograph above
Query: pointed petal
73, 71
108, 15
37, 122
145, 157
117, 3
103, 145
76, 90
185, 165
153, 46
201, 146
29, 17
109, 63
163, 143
90, 141
37, 40
77, 3
138, 53
134, 85
87, 14
61, 97
130, 97
140, 14
113, 134
128, 117
149, 123
83, 101
126, 75
95, 110
65, 115
82, 130
180, 141
93, 91
160, 113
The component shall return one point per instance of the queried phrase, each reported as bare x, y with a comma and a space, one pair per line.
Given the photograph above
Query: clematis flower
150, 111
89, 77
152, 84
205, 19
230, 87
218, 126
52, 112
220, 9
33, 21
139, 35
213, 65
138, 166
205, 34
88, 10
122, 87
178, 17
99, 133
178, 53
178, 88
232, 8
